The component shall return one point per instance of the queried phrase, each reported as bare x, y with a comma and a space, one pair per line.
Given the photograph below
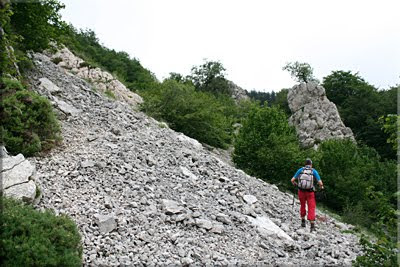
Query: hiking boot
312, 228
303, 222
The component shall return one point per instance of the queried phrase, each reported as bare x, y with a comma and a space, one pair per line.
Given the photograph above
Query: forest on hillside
360, 179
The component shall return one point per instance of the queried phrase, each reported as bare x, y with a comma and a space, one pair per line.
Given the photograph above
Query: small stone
205, 224
249, 199
186, 261
217, 229
196, 214
223, 218
106, 223
87, 163
171, 207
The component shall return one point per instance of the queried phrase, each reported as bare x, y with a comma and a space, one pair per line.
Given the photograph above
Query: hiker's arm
293, 180
316, 175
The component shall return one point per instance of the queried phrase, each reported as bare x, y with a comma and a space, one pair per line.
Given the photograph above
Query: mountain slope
141, 193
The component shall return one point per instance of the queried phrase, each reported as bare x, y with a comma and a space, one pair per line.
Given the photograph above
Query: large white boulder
315, 117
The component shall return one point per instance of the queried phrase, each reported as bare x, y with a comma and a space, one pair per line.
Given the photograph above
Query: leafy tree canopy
301, 72
340, 85
266, 146
210, 77
360, 106
38, 22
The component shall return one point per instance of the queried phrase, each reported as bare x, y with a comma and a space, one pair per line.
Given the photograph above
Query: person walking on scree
304, 179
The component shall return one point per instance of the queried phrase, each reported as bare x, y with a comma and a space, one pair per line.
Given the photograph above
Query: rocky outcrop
101, 80
17, 177
142, 194
238, 93
315, 117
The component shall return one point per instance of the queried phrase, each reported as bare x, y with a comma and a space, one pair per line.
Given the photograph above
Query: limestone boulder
315, 118
17, 175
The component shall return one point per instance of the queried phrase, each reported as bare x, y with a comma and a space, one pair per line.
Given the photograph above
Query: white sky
252, 39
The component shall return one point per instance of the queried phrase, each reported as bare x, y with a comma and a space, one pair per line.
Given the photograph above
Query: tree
282, 102
200, 115
267, 146
390, 125
301, 72
360, 106
210, 77
37, 22
340, 85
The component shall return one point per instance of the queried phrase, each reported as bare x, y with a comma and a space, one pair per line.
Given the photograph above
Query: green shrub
355, 175
33, 238
200, 115
28, 122
383, 252
267, 147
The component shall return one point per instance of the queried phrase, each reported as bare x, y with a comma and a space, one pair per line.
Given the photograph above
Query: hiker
304, 180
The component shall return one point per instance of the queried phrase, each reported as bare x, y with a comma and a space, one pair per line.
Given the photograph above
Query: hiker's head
308, 162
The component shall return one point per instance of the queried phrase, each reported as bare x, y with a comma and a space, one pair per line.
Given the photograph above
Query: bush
352, 174
33, 238
267, 147
28, 122
383, 252
200, 115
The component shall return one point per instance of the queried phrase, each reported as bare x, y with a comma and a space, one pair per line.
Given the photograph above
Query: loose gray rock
144, 177
19, 174
49, 86
106, 223
66, 108
171, 207
25, 191
202, 223
16, 177
249, 199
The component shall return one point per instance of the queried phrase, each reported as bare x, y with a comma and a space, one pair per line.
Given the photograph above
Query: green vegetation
128, 70
200, 115
29, 124
360, 183
209, 77
390, 125
360, 106
266, 146
198, 105
38, 23
301, 72
110, 94
271, 99
34, 238
360, 186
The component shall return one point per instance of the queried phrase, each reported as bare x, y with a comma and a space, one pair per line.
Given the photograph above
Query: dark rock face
315, 117
142, 194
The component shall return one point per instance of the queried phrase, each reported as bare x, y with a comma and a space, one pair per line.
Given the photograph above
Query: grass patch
110, 94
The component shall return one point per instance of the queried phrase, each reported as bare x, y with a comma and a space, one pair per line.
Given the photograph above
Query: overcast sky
252, 39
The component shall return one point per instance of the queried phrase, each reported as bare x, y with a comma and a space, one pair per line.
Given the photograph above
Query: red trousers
309, 198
